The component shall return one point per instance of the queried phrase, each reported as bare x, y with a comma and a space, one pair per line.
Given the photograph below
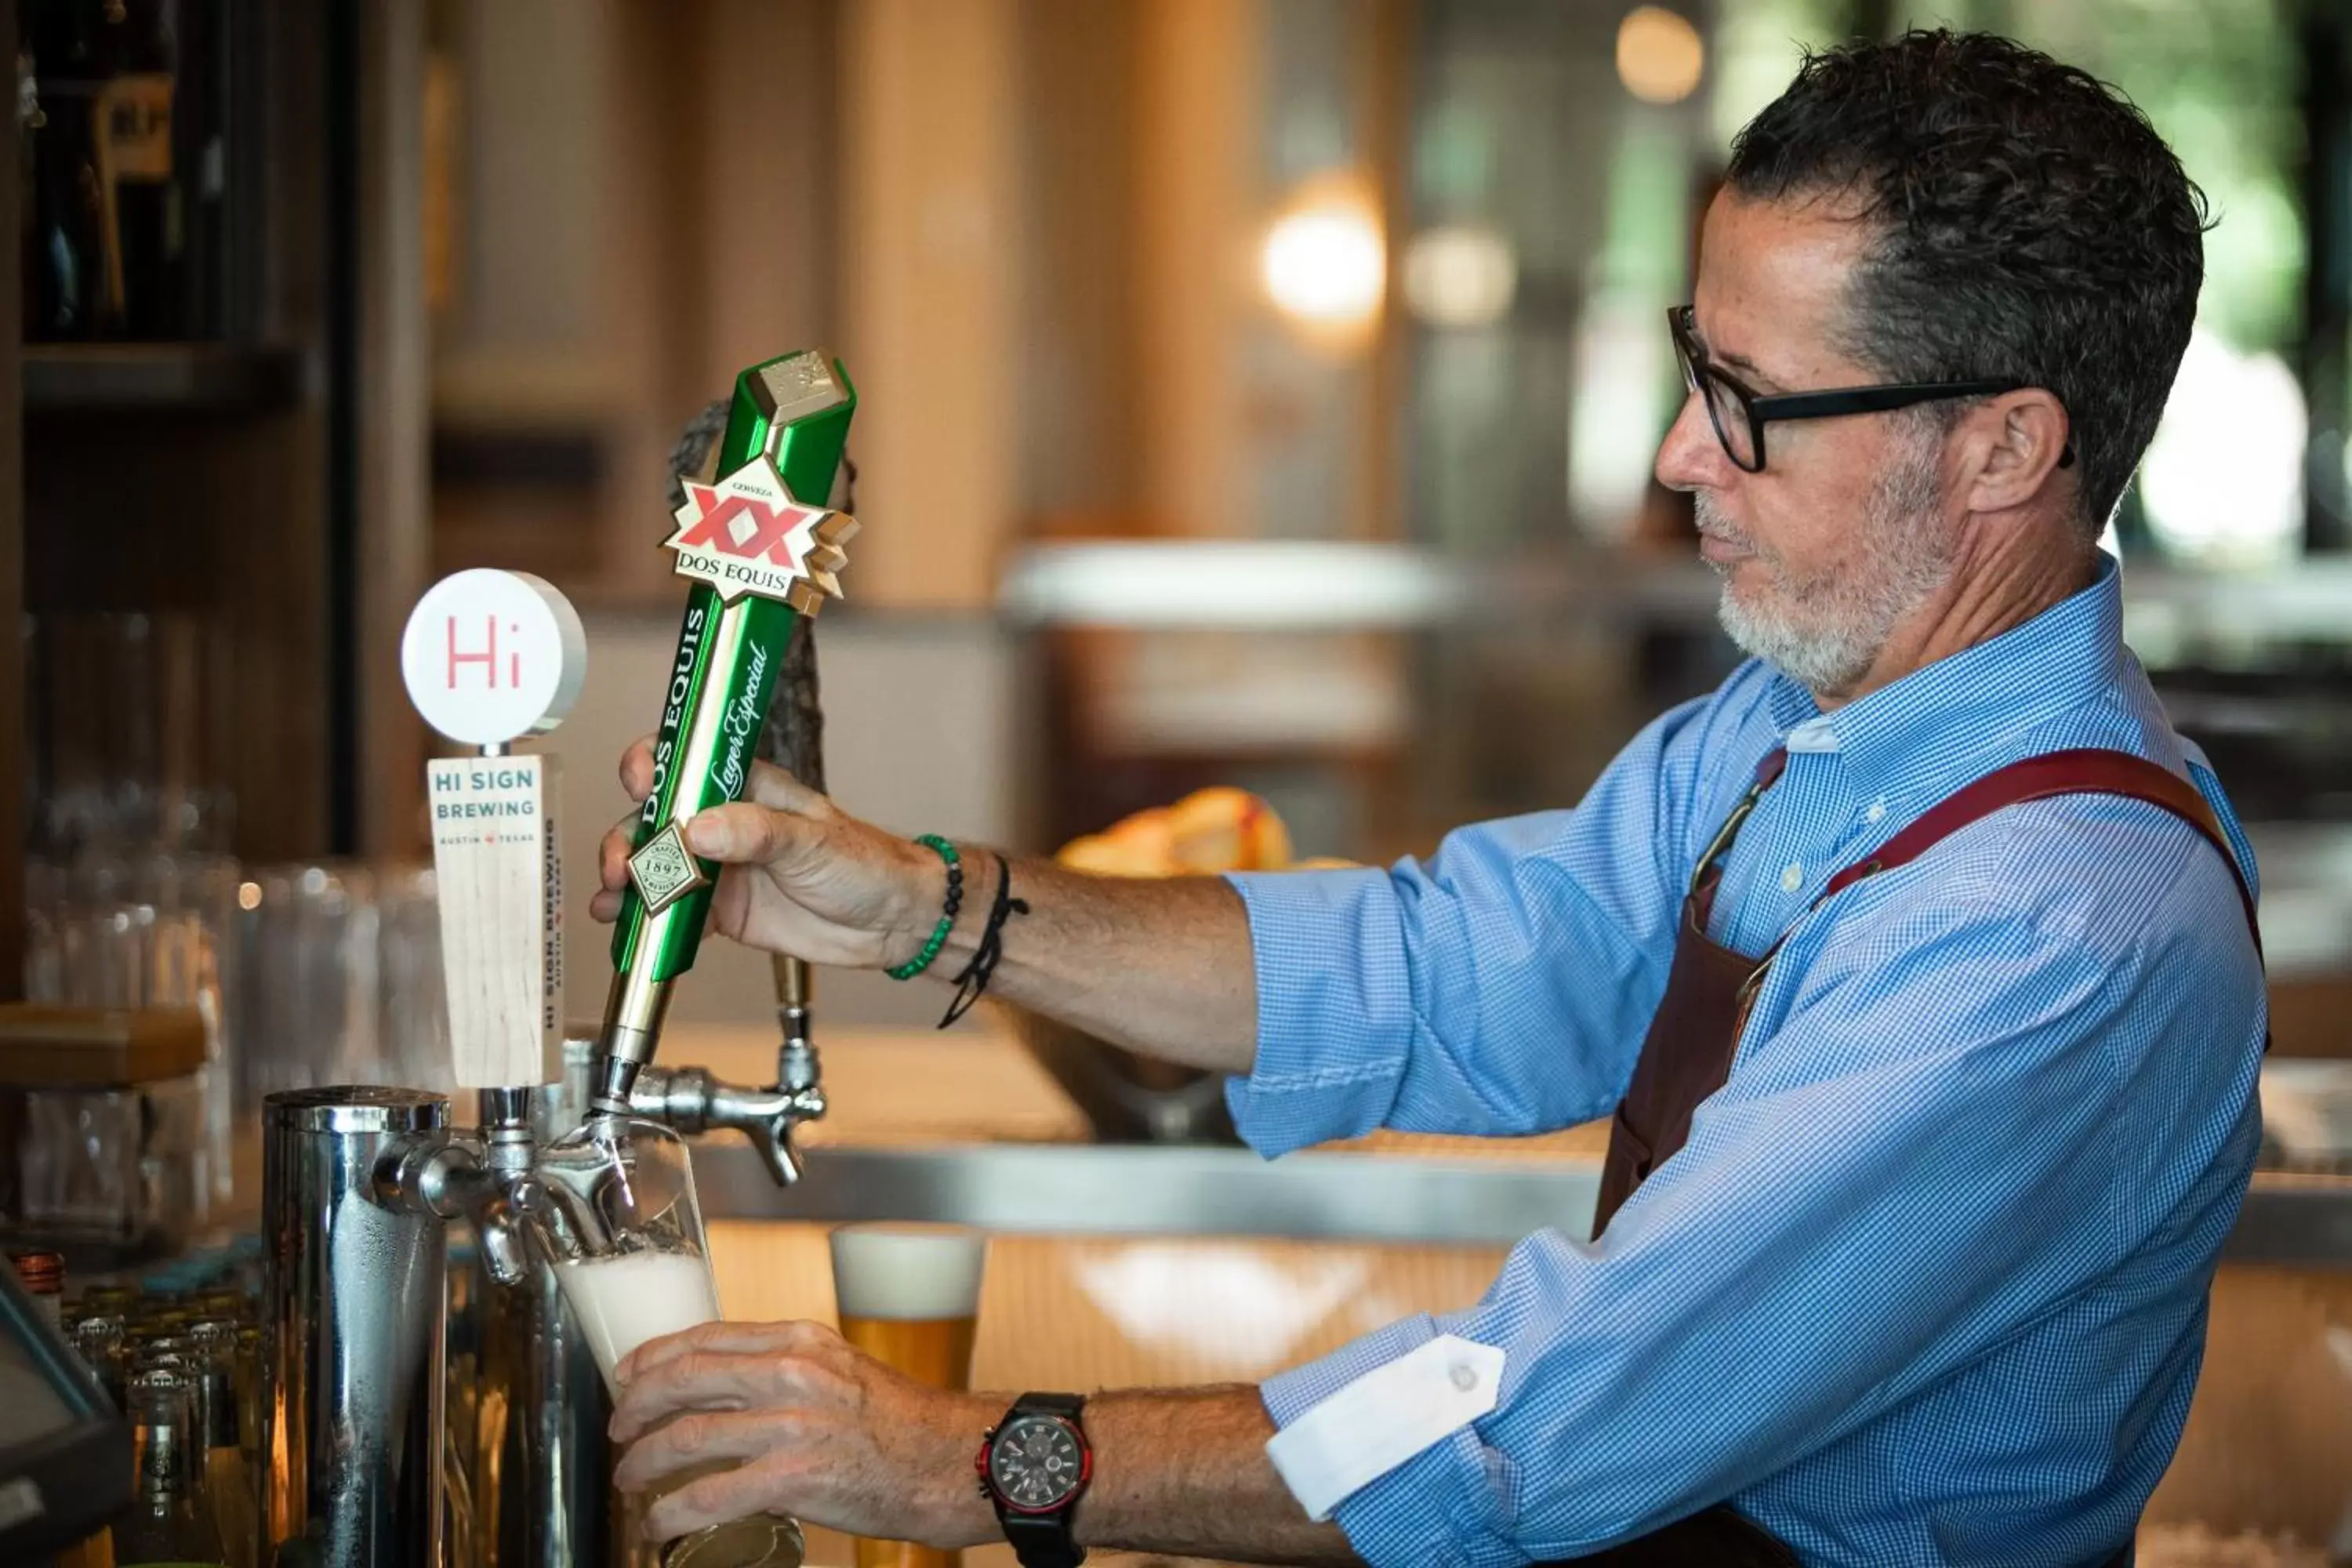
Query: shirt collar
1934, 729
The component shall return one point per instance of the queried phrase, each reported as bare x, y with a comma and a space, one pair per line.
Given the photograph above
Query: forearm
1185, 1472
1162, 966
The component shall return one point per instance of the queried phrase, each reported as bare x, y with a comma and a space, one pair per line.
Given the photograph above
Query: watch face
1036, 1464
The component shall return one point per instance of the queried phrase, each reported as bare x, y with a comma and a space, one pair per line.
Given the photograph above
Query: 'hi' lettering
487, 658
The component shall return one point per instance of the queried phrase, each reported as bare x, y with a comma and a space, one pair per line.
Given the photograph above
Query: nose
1691, 457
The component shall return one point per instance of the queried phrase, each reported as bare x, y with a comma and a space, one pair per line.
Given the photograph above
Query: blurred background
1264, 391
1255, 392
1258, 393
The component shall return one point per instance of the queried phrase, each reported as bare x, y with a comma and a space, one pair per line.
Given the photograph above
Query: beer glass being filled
909, 1296
615, 1214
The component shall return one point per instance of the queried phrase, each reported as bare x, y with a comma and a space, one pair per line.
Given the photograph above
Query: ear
2015, 445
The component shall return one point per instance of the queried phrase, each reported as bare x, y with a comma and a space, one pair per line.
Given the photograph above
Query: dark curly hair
2031, 225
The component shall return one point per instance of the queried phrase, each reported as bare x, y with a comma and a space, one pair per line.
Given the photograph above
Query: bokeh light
1324, 263
2223, 481
1660, 56
1460, 276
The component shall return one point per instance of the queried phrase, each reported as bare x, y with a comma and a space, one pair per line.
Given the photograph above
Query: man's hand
1163, 967
817, 1430
800, 875
828, 1434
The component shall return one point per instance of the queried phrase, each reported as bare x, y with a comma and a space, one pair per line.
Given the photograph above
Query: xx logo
749, 534
747, 527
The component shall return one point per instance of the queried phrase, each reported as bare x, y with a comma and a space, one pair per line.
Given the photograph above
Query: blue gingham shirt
1927, 1283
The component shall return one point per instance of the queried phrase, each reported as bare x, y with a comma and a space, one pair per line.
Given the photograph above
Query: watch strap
1044, 1540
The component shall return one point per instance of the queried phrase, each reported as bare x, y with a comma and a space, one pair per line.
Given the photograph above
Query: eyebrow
1740, 363
1754, 372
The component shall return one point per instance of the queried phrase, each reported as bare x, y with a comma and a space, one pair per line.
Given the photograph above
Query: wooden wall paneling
1195, 108
653, 246
394, 544
218, 518
269, 560
221, 513
13, 732
263, 483
760, 152
932, 243
1078, 316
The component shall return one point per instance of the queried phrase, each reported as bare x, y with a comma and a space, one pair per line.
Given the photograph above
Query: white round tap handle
491, 656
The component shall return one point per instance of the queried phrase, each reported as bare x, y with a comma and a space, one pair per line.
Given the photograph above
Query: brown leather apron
1686, 1055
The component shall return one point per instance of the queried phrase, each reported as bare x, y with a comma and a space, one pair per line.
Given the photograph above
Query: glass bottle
43, 1275
248, 1391
228, 1479
169, 1520
98, 1337
144, 224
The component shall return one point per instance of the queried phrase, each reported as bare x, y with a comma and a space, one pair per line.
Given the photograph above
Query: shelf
159, 378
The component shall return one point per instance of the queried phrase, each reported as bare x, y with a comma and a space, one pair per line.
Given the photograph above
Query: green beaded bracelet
939, 938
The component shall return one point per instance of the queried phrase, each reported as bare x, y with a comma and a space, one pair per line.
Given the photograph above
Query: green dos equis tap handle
761, 549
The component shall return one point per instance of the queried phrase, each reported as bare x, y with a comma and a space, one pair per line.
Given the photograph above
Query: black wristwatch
1034, 1466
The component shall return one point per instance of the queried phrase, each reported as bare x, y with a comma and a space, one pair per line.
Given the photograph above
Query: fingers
613, 854
749, 835
754, 1488
702, 1380
772, 786
638, 768
613, 869
703, 1437
735, 1338
719, 1380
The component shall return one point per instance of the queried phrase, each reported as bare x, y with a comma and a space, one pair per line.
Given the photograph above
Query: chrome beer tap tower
362, 1185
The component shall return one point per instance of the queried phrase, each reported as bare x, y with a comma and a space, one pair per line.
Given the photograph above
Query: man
1916, 962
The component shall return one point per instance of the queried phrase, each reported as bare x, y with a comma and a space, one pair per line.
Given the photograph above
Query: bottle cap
44, 1273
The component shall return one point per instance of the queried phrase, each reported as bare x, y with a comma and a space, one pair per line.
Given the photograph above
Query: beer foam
621, 1302
906, 1271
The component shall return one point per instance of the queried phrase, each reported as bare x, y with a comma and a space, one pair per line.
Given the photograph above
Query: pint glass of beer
909, 1296
617, 1216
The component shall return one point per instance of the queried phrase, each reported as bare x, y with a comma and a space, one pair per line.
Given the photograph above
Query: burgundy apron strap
2094, 770
1708, 876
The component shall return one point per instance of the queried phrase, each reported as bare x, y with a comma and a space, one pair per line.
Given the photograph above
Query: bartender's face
1842, 534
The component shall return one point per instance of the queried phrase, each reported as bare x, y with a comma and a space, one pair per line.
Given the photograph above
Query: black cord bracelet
985, 959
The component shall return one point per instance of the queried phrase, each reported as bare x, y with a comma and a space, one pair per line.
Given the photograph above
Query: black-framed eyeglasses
1739, 414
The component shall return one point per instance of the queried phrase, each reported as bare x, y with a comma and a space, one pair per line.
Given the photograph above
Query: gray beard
1826, 633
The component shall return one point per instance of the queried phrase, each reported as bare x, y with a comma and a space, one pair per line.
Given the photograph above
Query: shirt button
1794, 878
1877, 809
1465, 1376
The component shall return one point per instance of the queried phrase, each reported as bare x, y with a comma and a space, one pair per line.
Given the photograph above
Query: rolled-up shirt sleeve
1896, 1178
1499, 989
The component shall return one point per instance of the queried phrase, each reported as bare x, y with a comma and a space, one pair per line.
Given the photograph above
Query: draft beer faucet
762, 562
689, 1098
